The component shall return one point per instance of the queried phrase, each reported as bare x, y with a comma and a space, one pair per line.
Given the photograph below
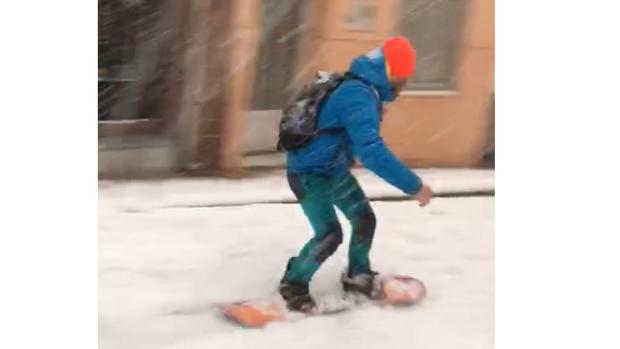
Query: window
362, 15
434, 28
130, 66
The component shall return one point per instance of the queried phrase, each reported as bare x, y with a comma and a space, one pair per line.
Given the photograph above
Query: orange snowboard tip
251, 315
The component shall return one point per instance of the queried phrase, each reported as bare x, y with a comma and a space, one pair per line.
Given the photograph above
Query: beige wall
447, 130
451, 130
244, 38
424, 130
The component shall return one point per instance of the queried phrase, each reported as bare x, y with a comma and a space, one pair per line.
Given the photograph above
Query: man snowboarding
319, 172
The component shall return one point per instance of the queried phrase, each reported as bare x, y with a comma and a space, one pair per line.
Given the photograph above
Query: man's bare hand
424, 195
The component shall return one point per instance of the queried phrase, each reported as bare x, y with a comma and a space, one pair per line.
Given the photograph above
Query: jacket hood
371, 68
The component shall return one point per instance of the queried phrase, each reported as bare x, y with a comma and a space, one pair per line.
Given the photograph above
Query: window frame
447, 86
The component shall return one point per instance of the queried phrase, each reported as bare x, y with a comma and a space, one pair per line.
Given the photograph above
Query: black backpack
299, 122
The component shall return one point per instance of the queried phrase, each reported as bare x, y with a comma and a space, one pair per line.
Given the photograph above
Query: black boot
296, 294
360, 283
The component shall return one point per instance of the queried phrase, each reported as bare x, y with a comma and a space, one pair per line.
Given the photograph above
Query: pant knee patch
365, 228
329, 244
296, 187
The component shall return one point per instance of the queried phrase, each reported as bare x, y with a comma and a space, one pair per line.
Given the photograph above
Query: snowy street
164, 261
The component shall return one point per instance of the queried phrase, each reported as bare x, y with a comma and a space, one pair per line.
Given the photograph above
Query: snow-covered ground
162, 267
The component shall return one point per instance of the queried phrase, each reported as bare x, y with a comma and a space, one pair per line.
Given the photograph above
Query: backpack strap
346, 76
329, 130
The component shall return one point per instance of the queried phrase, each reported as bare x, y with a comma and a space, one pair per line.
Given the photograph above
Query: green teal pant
317, 196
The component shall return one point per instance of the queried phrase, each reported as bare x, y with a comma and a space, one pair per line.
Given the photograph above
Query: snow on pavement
162, 269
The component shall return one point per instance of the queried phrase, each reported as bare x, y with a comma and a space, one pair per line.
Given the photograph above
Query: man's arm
360, 117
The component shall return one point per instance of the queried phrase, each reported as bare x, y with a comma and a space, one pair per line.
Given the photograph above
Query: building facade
211, 76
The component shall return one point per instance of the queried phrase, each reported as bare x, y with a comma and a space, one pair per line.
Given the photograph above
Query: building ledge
443, 93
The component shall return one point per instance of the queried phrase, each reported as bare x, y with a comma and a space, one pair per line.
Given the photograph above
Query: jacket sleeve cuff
415, 186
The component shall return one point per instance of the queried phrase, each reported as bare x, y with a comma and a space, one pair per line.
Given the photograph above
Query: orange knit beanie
400, 57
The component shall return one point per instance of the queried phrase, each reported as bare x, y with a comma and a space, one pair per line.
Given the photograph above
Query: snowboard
390, 290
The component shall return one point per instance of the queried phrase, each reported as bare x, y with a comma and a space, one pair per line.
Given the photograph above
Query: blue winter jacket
355, 107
